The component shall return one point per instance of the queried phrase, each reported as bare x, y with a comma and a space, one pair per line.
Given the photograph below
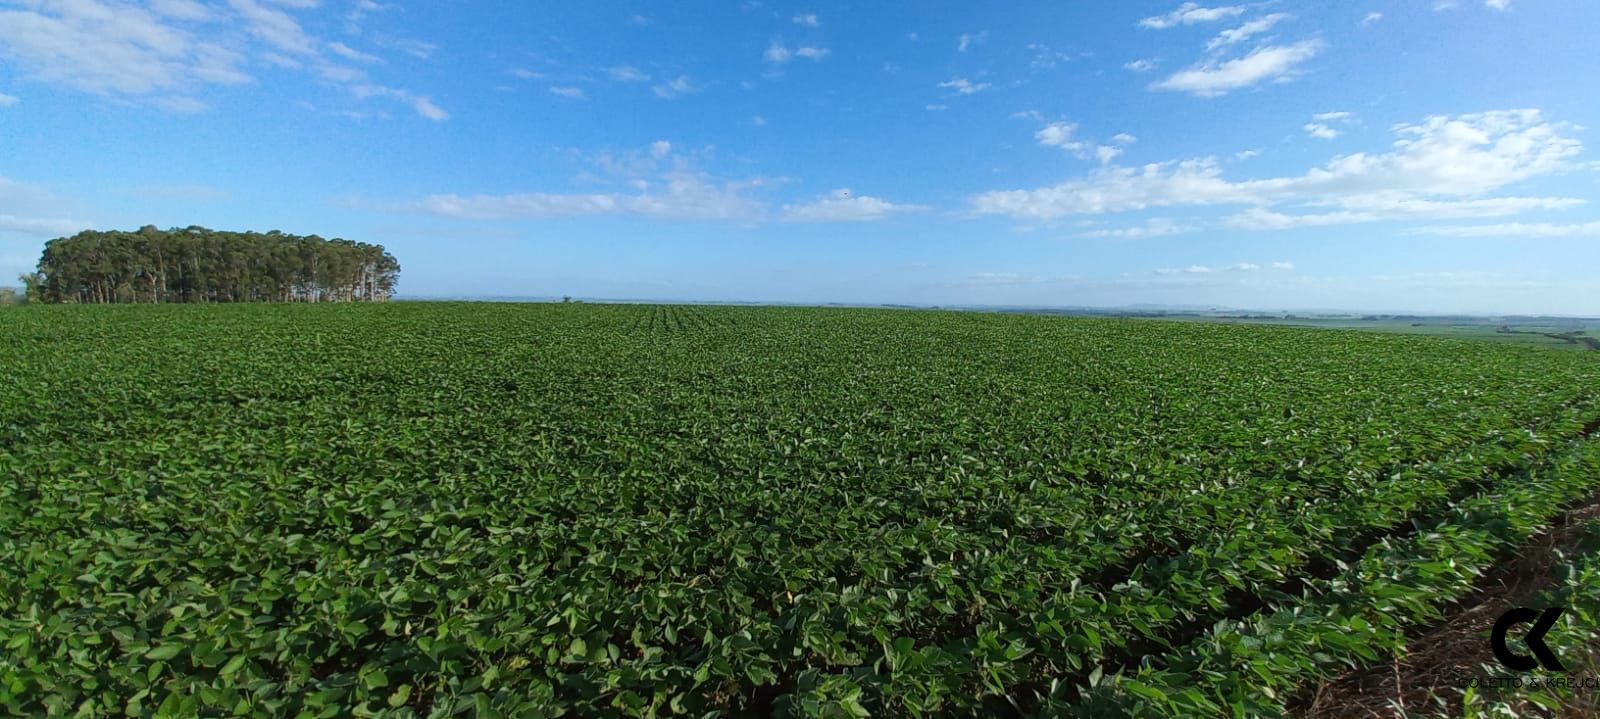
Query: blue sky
1369, 155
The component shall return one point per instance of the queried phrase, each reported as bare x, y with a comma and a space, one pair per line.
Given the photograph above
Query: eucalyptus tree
196, 264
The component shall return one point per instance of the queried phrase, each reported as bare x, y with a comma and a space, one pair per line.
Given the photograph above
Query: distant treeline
195, 264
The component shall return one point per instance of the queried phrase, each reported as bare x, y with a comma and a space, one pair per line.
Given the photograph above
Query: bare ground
1456, 646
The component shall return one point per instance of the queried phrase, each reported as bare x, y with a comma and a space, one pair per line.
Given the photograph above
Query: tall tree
195, 264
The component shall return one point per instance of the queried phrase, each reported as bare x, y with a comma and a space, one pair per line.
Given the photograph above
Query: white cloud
41, 227
1321, 131
1246, 31
423, 105
526, 74
655, 182
684, 196
1045, 58
168, 52
275, 27
842, 206
1517, 229
1371, 17
1440, 167
964, 86
1380, 207
1210, 78
1498, 4
967, 40
627, 73
676, 87
415, 48
573, 93
1156, 227
8, 100
1062, 135
31, 211
181, 104
1056, 134
104, 49
350, 53
778, 54
528, 204
1236, 267
358, 13
1321, 126
1190, 270
1117, 189
1191, 13
1141, 65
808, 20
182, 9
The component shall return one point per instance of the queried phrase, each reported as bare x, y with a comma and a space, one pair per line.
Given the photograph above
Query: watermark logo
1534, 639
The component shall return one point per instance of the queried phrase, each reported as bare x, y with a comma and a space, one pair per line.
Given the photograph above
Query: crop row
1249, 668
563, 509
677, 318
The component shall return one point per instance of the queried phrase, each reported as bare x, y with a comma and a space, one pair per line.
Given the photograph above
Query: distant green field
439, 509
1517, 332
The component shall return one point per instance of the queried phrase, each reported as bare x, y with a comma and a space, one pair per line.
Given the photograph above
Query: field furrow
634, 510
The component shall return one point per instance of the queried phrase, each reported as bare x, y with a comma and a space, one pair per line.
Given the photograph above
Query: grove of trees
195, 264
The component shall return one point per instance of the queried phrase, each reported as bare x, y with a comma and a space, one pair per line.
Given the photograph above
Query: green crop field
419, 509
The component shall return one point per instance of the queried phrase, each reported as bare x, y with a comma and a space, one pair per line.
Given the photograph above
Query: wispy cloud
1191, 13
1438, 168
656, 182
170, 52
1246, 31
844, 206
1236, 267
1157, 227
1275, 63
627, 73
1517, 229
32, 211
777, 53
964, 86
1322, 125
1063, 135
676, 87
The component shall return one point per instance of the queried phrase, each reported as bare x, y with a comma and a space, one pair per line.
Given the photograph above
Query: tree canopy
195, 264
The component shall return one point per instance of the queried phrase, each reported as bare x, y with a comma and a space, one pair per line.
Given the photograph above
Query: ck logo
1542, 656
